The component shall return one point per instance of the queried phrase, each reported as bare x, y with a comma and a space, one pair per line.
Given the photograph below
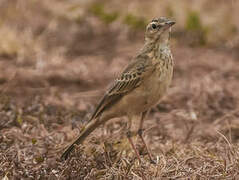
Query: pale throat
157, 44
163, 40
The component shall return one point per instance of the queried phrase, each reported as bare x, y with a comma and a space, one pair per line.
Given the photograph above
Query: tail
91, 126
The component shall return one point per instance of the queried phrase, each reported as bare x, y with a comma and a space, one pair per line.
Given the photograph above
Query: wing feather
130, 79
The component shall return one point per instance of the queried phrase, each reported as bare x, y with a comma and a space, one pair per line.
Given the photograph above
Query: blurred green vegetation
23, 37
169, 11
135, 22
193, 22
196, 29
98, 10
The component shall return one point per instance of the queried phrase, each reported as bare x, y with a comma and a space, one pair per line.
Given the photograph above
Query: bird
138, 88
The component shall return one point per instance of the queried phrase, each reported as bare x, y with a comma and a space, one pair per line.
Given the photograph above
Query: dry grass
52, 54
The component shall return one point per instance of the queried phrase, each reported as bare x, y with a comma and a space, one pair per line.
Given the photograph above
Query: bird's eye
154, 26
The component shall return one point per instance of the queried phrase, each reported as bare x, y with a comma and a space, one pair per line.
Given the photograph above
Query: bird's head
158, 29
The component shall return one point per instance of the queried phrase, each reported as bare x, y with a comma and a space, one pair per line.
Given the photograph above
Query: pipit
139, 87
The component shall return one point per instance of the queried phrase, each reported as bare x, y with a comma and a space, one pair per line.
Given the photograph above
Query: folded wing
130, 79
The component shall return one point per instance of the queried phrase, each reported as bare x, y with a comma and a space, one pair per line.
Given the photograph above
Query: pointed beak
170, 23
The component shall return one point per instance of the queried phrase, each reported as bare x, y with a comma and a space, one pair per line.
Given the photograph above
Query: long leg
140, 133
129, 136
